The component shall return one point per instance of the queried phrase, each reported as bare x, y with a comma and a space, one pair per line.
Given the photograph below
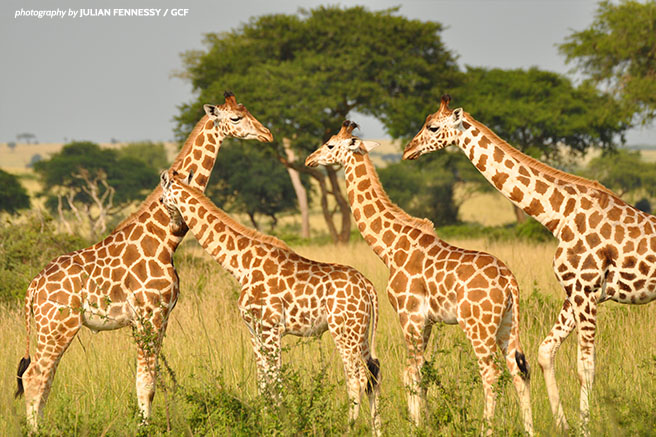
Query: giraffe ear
368, 146
213, 112
164, 179
457, 118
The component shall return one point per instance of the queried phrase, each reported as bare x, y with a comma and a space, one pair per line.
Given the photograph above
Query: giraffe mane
534, 163
177, 163
232, 223
423, 224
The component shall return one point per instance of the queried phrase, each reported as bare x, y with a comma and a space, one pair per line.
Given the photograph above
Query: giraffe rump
22, 367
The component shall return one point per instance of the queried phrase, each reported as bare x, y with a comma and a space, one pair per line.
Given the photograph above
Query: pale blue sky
111, 77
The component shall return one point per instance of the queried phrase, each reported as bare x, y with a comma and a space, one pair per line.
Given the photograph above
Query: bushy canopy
13, 195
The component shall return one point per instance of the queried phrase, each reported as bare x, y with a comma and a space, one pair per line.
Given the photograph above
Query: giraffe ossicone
606, 249
431, 281
285, 293
127, 279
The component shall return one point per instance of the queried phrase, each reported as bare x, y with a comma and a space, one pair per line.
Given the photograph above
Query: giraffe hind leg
517, 367
546, 354
55, 331
373, 386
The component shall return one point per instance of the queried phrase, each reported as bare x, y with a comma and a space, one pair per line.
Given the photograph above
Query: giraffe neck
546, 194
197, 155
232, 244
379, 220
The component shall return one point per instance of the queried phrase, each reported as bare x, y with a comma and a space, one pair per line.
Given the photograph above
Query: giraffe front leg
145, 383
546, 354
416, 337
266, 341
586, 321
148, 336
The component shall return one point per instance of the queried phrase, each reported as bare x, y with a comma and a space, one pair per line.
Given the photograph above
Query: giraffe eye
330, 146
235, 119
433, 129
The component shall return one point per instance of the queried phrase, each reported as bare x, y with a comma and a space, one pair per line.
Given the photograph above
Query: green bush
26, 246
13, 195
530, 230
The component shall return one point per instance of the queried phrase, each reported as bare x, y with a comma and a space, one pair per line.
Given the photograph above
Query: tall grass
208, 348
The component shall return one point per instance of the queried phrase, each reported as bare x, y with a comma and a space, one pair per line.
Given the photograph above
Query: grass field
207, 346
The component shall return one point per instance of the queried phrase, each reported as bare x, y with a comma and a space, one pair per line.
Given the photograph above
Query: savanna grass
214, 392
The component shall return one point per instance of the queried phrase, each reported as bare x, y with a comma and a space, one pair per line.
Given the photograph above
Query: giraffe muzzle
311, 162
411, 154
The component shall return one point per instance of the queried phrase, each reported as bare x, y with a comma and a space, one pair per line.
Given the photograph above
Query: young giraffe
284, 293
431, 281
127, 279
606, 250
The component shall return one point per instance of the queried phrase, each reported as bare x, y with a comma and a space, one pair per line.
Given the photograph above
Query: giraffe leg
484, 344
373, 386
56, 327
266, 343
416, 339
520, 380
374, 405
146, 381
348, 344
546, 354
149, 335
587, 324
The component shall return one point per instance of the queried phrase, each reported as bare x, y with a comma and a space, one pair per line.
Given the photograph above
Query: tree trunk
320, 177
344, 207
299, 189
251, 216
519, 214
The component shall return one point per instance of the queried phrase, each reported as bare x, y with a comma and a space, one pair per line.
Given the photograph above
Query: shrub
26, 246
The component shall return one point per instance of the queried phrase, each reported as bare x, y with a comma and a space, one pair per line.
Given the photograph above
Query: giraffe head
233, 120
171, 181
339, 147
440, 130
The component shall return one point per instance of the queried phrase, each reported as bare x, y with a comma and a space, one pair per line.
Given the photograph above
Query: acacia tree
304, 74
92, 183
624, 172
249, 180
542, 113
618, 52
13, 195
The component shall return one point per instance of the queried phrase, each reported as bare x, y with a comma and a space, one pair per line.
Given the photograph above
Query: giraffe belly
304, 324
629, 293
114, 316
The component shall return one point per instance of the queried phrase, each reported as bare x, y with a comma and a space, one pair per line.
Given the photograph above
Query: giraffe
285, 293
127, 279
431, 281
606, 249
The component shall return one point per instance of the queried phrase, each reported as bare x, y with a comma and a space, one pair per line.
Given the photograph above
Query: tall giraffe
606, 250
431, 281
284, 293
127, 279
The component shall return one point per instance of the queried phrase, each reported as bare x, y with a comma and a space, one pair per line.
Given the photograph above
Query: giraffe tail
520, 358
25, 361
373, 364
